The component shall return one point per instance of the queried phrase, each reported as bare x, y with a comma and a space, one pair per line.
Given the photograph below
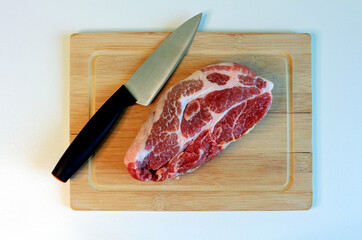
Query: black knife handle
92, 135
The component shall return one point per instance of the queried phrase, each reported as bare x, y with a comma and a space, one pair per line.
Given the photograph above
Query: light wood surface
268, 169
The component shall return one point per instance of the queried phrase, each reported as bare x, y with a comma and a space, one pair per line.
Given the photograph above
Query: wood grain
268, 169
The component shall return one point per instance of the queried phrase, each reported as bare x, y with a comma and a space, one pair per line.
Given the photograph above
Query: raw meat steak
196, 119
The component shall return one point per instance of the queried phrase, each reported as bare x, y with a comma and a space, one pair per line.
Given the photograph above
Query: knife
141, 88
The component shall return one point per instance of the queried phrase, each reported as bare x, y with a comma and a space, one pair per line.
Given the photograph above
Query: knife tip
199, 15
196, 19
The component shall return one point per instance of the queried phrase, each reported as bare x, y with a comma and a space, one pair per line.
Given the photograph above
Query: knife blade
141, 88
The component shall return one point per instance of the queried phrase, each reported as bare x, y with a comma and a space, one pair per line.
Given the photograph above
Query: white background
34, 113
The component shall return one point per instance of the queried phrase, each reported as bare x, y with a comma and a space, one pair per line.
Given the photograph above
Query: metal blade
156, 70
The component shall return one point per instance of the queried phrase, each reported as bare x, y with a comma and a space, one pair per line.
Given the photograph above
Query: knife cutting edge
141, 88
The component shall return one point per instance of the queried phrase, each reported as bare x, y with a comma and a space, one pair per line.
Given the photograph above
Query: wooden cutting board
268, 169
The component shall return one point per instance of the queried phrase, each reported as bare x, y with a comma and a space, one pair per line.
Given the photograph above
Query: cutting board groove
268, 169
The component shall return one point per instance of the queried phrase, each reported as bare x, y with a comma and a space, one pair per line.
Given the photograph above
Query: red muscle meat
196, 119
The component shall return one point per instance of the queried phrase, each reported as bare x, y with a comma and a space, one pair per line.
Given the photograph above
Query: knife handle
92, 135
